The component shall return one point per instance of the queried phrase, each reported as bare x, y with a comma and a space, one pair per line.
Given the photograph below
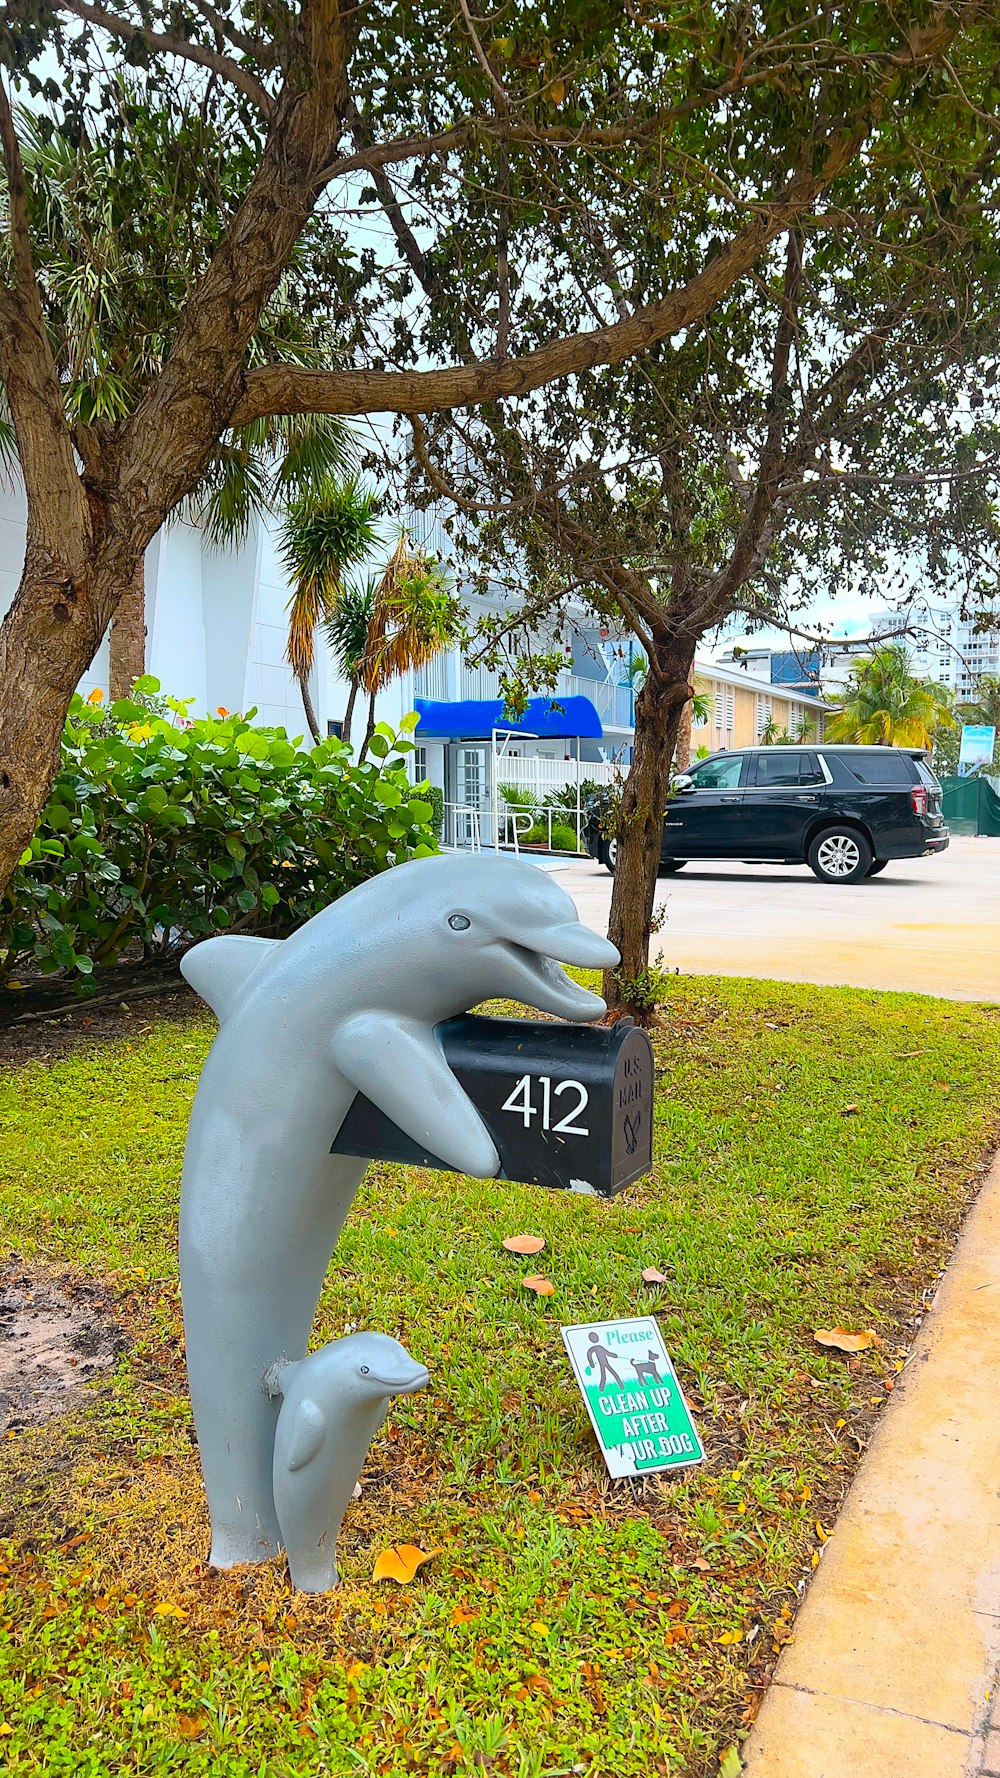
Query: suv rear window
883, 765
778, 769
926, 776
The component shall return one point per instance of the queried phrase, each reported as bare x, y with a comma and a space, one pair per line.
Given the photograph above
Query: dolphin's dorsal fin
220, 968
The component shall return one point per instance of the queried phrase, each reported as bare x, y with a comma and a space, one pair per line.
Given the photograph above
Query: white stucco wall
216, 626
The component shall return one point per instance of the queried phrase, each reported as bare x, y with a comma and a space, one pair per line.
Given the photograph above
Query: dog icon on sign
645, 1368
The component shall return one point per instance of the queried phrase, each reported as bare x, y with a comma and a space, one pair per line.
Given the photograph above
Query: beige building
744, 711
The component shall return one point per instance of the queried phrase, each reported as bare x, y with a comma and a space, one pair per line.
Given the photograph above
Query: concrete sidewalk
893, 1671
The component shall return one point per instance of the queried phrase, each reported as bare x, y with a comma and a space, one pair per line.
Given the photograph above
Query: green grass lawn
569, 1624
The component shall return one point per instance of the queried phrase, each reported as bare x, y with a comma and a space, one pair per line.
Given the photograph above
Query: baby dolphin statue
334, 1403
347, 1004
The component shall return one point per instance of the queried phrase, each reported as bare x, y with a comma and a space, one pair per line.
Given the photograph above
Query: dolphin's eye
459, 922
364, 1370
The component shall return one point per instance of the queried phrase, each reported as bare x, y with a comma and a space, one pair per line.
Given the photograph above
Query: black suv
844, 811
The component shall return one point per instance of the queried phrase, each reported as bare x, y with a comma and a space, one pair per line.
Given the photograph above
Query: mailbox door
632, 1113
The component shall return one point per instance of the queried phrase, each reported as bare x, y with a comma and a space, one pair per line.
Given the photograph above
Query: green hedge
160, 830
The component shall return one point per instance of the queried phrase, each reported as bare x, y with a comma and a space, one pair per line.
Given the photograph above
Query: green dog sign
634, 1400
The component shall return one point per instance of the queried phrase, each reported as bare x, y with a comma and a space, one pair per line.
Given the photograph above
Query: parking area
931, 925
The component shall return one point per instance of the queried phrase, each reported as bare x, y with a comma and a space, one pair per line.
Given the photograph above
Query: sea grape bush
161, 830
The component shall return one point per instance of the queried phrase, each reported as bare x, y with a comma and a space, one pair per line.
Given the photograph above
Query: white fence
470, 828
545, 775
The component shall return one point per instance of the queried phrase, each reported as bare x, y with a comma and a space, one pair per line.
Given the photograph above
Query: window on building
763, 714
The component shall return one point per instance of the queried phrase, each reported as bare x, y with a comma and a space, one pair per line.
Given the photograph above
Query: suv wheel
840, 855
609, 855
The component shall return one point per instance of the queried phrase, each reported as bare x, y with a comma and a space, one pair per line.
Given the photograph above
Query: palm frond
232, 493
321, 536
415, 617
348, 624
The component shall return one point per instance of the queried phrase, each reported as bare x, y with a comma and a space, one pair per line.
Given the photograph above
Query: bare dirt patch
48, 1039
56, 1335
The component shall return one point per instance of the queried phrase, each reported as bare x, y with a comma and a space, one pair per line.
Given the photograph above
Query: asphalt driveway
928, 924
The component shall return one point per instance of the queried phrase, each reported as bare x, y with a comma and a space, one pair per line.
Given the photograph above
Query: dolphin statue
335, 1402
347, 1004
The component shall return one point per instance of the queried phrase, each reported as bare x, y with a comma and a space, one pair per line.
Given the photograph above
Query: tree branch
285, 389
164, 445
56, 502
184, 47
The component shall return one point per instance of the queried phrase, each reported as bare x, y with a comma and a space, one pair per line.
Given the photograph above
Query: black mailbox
567, 1105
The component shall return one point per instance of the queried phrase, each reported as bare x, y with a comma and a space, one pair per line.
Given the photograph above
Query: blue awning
474, 719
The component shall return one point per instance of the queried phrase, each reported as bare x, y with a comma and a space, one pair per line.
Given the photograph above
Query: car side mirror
682, 782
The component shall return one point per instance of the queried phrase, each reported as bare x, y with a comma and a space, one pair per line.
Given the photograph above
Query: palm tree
347, 635
414, 617
885, 706
323, 533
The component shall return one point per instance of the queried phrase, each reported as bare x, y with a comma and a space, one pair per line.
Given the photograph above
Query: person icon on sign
600, 1356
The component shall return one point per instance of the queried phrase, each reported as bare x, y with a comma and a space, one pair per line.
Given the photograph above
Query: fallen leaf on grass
168, 1609
400, 1563
190, 1726
730, 1637
523, 1243
541, 1286
730, 1765
849, 1110
461, 1615
702, 1566
652, 1276
843, 1341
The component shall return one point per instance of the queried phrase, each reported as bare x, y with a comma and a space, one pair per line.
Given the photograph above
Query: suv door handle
730, 799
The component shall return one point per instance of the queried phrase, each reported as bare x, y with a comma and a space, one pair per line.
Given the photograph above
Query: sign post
635, 1403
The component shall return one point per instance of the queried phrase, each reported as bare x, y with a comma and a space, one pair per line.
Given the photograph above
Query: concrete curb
892, 1672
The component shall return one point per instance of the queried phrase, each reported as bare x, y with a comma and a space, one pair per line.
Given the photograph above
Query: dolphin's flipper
220, 968
307, 1434
398, 1065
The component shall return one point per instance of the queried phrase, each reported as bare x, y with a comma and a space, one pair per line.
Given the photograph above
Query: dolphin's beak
572, 943
535, 977
405, 1382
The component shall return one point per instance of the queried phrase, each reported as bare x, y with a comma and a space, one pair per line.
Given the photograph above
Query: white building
216, 633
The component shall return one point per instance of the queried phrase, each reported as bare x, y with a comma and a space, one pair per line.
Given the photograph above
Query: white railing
543, 775
469, 829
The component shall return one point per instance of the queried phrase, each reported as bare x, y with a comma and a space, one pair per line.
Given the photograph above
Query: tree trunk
682, 752
48, 640
345, 727
658, 710
308, 707
127, 636
370, 730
